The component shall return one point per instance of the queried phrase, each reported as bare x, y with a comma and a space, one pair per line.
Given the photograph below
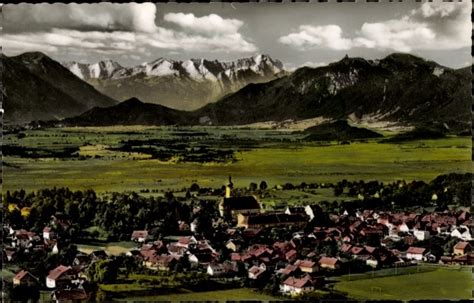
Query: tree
24, 293
253, 186
194, 187
169, 196
263, 185
338, 190
103, 271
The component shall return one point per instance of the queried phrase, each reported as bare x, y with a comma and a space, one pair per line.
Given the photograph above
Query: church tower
229, 188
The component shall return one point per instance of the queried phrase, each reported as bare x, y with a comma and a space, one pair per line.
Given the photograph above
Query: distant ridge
129, 112
181, 84
400, 88
39, 88
338, 130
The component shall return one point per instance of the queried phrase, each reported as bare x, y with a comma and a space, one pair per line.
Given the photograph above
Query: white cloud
116, 28
103, 16
313, 64
308, 36
211, 24
432, 26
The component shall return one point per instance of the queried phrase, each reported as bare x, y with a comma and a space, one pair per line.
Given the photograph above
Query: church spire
229, 187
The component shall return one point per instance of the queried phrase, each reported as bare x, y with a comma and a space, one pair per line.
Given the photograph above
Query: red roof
139, 234
416, 250
290, 254
235, 256
22, 274
256, 271
305, 263
356, 250
288, 269
369, 249
58, 272
328, 261
346, 247
298, 283
461, 245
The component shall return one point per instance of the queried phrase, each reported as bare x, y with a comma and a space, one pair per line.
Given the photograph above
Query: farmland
136, 158
453, 284
97, 159
241, 294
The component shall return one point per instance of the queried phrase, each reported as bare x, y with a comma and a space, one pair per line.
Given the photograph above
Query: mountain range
35, 87
184, 85
400, 89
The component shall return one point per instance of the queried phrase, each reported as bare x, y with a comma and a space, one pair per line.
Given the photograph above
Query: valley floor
276, 157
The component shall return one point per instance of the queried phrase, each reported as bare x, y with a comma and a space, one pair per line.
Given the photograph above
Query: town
194, 243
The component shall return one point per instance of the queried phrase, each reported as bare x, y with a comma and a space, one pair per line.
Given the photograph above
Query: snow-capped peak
196, 69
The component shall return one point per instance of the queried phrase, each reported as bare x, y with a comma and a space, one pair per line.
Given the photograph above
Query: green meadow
450, 284
275, 156
241, 294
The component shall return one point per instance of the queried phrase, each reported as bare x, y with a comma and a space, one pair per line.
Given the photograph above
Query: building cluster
374, 239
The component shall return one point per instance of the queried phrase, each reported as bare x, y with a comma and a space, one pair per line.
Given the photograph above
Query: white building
415, 253
462, 232
422, 235
295, 286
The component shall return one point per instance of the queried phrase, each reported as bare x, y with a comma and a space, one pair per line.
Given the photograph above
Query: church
230, 206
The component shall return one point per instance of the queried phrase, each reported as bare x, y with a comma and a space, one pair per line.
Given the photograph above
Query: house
140, 236
288, 270
330, 263
221, 269
24, 277
48, 233
306, 266
204, 252
270, 219
415, 253
462, 232
233, 245
312, 210
186, 242
70, 295
372, 262
290, 210
59, 276
23, 238
357, 251
422, 235
291, 255
403, 227
461, 248
255, 272
295, 286
215, 269
162, 262
9, 254
81, 259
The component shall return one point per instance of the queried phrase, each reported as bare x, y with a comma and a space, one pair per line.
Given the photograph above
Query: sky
298, 34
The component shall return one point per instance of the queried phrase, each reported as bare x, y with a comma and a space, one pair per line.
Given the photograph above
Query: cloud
308, 36
211, 24
103, 16
432, 26
313, 64
117, 29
